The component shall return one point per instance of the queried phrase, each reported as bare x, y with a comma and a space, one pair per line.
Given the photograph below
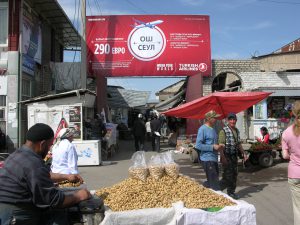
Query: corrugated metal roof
173, 88
171, 102
293, 46
123, 98
60, 95
59, 21
115, 99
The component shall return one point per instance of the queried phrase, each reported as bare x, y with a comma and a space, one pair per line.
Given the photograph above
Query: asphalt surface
266, 188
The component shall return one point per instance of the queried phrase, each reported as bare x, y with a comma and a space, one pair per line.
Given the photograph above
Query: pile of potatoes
133, 194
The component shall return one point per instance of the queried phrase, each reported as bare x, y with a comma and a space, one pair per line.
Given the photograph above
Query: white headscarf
64, 133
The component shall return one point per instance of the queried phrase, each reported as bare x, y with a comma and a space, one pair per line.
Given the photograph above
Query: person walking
208, 149
155, 125
148, 129
139, 132
230, 137
291, 150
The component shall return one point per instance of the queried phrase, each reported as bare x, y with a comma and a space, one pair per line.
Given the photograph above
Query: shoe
233, 195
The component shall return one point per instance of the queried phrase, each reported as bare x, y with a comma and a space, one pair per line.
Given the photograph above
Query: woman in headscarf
291, 150
64, 155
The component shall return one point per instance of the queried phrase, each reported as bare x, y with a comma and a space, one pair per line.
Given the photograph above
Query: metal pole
20, 71
83, 45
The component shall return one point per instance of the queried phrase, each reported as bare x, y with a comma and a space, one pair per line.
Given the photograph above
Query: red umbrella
222, 102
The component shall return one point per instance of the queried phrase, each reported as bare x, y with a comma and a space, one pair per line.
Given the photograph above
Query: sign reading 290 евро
143, 45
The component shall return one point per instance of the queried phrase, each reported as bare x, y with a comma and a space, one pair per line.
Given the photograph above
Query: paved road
266, 189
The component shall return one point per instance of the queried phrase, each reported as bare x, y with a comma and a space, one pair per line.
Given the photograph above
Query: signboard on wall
148, 45
31, 41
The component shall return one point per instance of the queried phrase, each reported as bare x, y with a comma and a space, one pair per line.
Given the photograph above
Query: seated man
27, 192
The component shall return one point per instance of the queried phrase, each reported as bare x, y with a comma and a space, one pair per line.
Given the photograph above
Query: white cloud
258, 26
192, 2
227, 32
118, 12
227, 55
230, 5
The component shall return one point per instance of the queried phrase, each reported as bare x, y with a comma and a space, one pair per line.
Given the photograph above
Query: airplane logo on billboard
141, 24
146, 41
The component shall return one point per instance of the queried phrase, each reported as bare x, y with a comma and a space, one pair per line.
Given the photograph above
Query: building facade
32, 34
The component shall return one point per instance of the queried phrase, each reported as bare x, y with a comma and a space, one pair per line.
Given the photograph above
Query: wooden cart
264, 154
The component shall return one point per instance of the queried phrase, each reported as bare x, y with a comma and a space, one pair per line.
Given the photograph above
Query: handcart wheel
253, 159
265, 159
194, 156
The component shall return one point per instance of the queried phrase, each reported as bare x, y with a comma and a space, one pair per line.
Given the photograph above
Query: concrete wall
288, 61
233, 66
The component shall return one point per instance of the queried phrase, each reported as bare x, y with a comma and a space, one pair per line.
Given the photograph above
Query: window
3, 23
2, 106
26, 89
2, 100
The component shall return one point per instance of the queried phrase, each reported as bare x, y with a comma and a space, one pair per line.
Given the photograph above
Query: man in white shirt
64, 155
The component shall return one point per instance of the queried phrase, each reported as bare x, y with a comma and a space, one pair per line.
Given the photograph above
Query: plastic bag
139, 168
171, 168
156, 167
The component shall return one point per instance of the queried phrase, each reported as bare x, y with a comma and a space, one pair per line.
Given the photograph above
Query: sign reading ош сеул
144, 45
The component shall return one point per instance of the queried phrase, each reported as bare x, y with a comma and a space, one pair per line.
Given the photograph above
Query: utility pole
83, 69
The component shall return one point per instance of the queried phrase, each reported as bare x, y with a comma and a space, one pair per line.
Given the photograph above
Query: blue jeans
211, 169
25, 215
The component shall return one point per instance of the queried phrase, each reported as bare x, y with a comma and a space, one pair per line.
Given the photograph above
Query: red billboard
148, 45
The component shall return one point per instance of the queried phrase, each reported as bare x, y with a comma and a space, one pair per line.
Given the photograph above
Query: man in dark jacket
139, 132
155, 125
230, 137
28, 195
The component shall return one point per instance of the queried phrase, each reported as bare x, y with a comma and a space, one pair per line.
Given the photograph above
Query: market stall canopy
222, 102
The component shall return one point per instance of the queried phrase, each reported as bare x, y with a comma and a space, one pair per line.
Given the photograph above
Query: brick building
278, 72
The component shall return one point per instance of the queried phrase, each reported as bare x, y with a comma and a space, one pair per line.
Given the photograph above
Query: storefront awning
59, 21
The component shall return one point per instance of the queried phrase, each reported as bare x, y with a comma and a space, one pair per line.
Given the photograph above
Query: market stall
68, 109
155, 193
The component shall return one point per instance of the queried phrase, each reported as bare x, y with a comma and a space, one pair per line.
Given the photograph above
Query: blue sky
239, 29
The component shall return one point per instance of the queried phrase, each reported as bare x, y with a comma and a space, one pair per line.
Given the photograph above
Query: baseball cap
211, 114
231, 116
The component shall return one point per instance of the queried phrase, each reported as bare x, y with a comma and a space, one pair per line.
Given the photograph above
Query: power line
280, 2
97, 4
139, 8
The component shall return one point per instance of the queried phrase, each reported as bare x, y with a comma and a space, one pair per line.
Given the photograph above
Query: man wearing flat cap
27, 192
230, 137
208, 149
